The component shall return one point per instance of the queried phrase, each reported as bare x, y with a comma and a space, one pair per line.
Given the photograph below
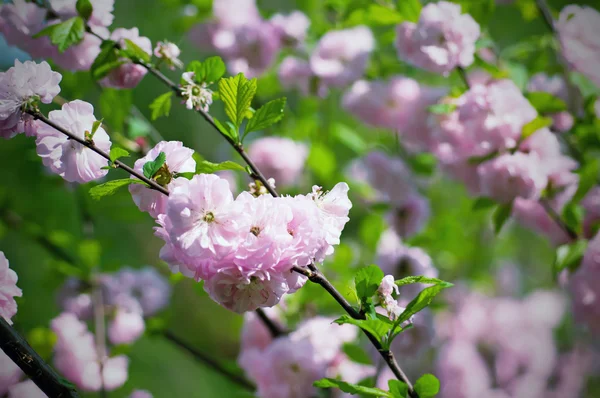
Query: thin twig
42, 374
212, 364
557, 220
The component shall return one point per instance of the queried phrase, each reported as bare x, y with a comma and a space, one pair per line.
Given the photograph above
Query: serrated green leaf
441, 109
501, 215
410, 10
357, 354
569, 256
64, 34
228, 129
116, 153
422, 279
427, 386
267, 115
367, 281
134, 52
151, 167
206, 167
546, 103
213, 69
423, 299
110, 187
161, 106
237, 93
483, 203
351, 388
397, 388
376, 327
84, 9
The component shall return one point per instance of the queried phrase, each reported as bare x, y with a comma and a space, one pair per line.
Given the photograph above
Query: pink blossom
584, 285
578, 30
409, 218
19, 21
509, 176
140, 394
101, 14
462, 370
255, 334
178, 160
292, 27
67, 158
21, 84
256, 48
591, 204
129, 74
73, 298
326, 337
295, 73
75, 356
126, 327
280, 158
388, 286
341, 56
168, 52
81, 56
442, 40
334, 208
8, 290
10, 373
26, 389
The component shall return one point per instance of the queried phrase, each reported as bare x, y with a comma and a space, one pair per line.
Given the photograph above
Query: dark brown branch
46, 378
212, 364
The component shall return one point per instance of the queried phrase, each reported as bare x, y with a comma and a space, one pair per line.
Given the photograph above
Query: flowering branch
212, 364
46, 378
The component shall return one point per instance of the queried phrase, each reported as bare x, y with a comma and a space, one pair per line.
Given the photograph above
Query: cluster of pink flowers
398, 104
244, 39
11, 385
578, 29
393, 184
518, 356
488, 121
21, 20
127, 75
21, 85
280, 158
442, 40
287, 366
8, 290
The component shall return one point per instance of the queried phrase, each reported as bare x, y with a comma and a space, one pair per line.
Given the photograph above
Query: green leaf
206, 167
569, 256
161, 106
588, 178
151, 167
237, 93
423, 163
213, 69
115, 105
84, 9
42, 340
427, 386
349, 138
422, 279
376, 327
423, 299
64, 34
501, 215
573, 216
110, 187
106, 61
228, 129
367, 281
374, 15
483, 203
267, 115
89, 252
480, 10
397, 388
475, 160
357, 354
353, 389
95, 126
441, 109
409, 9
534, 125
546, 103
116, 153
134, 52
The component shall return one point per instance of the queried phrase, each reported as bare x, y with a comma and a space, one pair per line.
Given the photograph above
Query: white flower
196, 96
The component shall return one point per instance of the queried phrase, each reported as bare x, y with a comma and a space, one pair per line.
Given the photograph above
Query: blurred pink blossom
280, 158
8, 290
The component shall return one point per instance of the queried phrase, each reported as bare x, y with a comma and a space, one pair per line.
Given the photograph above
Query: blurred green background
460, 241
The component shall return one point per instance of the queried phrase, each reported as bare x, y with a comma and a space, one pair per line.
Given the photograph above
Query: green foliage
153, 166
397, 388
321, 161
572, 215
427, 386
441, 109
209, 71
378, 328
483, 203
106, 61
265, 116
237, 93
42, 340
117, 153
89, 251
84, 9
353, 389
422, 279
357, 354
569, 256
111, 187
480, 10
546, 103
64, 34
134, 52
589, 175
534, 125
367, 280
207, 167
409, 9
374, 15
161, 106
501, 215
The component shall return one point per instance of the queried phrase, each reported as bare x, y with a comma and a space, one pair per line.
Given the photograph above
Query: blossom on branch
8, 290
129, 74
